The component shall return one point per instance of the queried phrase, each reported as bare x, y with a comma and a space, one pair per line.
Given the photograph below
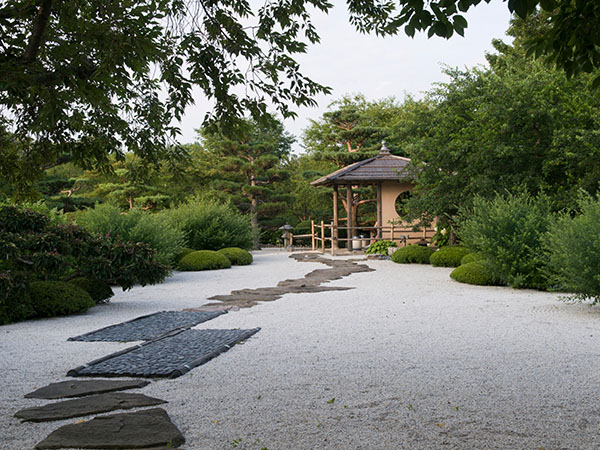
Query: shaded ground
407, 359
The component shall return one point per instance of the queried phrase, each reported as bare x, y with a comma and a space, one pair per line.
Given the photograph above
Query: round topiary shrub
181, 253
412, 254
477, 272
472, 257
98, 289
56, 298
449, 256
237, 256
204, 260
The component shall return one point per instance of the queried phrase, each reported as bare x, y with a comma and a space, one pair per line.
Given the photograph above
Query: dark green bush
208, 225
98, 290
237, 256
412, 254
183, 252
572, 249
135, 226
449, 256
477, 272
380, 247
472, 257
204, 260
509, 230
15, 302
55, 298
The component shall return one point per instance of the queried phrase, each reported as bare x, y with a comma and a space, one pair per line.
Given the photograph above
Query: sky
350, 62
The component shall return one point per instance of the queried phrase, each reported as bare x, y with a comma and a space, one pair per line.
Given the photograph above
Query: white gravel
413, 360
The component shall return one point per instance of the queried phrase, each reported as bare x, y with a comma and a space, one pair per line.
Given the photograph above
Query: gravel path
408, 359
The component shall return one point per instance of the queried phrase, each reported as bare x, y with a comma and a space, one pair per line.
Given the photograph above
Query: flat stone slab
149, 428
72, 388
148, 327
94, 404
169, 356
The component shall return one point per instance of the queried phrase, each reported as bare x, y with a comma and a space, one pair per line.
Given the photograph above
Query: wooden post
392, 234
322, 236
335, 224
349, 216
332, 242
379, 212
312, 230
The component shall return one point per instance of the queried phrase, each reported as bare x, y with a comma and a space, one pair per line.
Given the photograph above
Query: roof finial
384, 149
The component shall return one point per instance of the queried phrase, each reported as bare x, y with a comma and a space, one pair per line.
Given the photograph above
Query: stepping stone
149, 428
66, 389
170, 356
148, 327
85, 406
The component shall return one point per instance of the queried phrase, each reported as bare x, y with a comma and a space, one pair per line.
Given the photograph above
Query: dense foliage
98, 289
135, 226
210, 225
449, 256
509, 230
380, 247
472, 257
56, 298
477, 272
237, 256
204, 260
412, 254
572, 249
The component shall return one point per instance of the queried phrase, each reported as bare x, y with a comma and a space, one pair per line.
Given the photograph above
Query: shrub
135, 226
208, 225
472, 257
55, 298
412, 254
380, 247
237, 256
477, 272
449, 256
204, 260
572, 249
183, 252
15, 302
509, 230
98, 290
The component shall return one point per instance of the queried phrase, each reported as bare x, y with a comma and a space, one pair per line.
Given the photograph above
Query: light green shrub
135, 226
208, 225
477, 272
183, 252
572, 250
449, 256
509, 230
204, 260
412, 254
472, 257
55, 298
380, 247
237, 256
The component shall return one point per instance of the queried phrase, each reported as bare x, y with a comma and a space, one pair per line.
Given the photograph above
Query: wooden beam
334, 228
379, 211
349, 203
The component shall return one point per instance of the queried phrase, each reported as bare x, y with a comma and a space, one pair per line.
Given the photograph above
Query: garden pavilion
391, 176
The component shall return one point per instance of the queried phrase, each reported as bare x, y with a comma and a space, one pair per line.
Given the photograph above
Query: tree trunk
254, 217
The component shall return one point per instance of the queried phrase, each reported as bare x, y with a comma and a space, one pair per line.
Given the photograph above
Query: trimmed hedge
449, 256
56, 298
477, 272
472, 257
98, 289
181, 253
412, 254
204, 260
237, 256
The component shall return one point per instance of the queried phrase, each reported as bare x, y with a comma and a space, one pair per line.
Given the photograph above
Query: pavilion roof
383, 167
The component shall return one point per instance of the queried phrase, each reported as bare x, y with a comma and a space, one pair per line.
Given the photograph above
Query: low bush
237, 256
183, 252
472, 257
56, 298
449, 256
208, 225
15, 302
412, 254
509, 230
98, 290
380, 247
477, 272
135, 226
204, 260
572, 249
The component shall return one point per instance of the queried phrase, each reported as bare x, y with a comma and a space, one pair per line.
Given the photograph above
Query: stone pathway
79, 388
